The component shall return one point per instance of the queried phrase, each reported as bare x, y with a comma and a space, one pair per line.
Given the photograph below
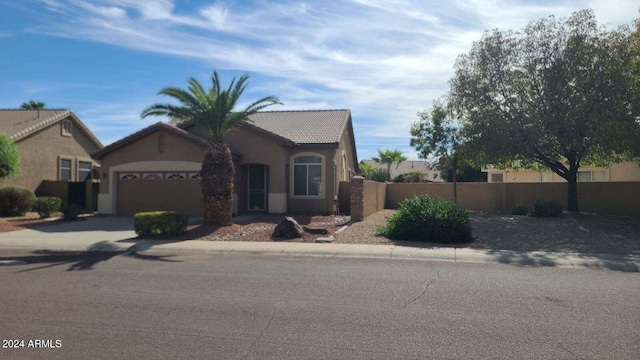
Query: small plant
429, 219
46, 206
71, 212
15, 201
378, 174
162, 223
520, 210
547, 208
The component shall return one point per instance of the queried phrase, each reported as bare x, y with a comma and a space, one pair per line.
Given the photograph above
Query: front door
257, 179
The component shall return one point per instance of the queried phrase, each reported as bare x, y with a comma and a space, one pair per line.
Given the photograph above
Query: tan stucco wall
374, 196
596, 197
158, 146
40, 153
323, 205
626, 171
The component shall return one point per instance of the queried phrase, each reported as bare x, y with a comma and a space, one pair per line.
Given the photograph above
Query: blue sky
384, 60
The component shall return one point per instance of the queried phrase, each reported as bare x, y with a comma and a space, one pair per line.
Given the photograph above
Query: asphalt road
119, 306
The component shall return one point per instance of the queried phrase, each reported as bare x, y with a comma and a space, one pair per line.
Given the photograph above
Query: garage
139, 191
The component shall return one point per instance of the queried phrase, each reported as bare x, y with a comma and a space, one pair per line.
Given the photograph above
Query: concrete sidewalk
116, 234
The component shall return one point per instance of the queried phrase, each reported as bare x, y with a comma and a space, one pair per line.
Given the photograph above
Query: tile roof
18, 123
304, 127
144, 132
298, 126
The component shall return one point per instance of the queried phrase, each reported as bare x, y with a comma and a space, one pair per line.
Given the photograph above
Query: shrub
15, 201
160, 223
429, 219
413, 177
71, 212
399, 178
547, 208
378, 174
46, 206
520, 210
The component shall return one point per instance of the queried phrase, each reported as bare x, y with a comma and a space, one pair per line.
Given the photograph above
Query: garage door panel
138, 195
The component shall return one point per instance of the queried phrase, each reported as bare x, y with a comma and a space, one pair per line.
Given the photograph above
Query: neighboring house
626, 171
285, 161
53, 145
406, 167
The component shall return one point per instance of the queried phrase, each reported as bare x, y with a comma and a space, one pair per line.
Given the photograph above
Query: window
195, 176
496, 178
65, 169
67, 127
129, 176
590, 176
152, 176
174, 176
84, 170
307, 176
544, 177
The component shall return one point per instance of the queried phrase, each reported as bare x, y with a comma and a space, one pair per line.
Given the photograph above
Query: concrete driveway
82, 234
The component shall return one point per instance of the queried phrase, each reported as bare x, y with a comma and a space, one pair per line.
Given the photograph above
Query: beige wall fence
368, 197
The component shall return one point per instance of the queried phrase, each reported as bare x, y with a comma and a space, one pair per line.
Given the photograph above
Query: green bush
547, 208
399, 178
160, 223
429, 219
72, 212
521, 210
46, 206
378, 174
15, 201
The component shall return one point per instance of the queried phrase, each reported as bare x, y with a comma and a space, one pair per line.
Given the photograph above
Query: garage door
153, 191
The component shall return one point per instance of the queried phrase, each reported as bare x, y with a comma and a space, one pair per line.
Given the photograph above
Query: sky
384, 60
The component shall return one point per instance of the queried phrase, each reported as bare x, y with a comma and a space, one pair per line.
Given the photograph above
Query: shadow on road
592, 261
85, 260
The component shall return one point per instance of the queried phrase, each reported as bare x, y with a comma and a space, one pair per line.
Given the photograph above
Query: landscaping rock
319, 230
288, 228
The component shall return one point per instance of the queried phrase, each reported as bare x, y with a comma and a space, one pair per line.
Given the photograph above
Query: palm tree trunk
217, 184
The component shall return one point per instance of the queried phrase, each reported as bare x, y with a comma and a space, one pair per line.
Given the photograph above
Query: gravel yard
584, 233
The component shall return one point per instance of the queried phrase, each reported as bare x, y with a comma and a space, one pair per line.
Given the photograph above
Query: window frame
60, 168
323, 177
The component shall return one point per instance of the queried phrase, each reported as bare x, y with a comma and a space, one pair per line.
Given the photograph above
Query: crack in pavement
424, 291
569, 351
257, 339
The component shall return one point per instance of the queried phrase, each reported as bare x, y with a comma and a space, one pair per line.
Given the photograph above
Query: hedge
163, 223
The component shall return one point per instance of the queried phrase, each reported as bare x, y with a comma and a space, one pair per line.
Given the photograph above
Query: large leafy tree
9, 157
437, 136
33, 105
388, 158
557, 94
213, 110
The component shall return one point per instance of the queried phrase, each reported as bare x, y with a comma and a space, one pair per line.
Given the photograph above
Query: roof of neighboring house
20, 123
410, 166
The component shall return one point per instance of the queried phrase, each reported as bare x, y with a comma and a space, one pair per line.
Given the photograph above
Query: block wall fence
368, 197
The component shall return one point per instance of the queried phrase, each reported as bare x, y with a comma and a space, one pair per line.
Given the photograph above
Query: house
285, 161
53, 145
406, 167
625, 171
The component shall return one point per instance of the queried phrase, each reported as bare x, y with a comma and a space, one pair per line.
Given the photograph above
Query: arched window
307, 175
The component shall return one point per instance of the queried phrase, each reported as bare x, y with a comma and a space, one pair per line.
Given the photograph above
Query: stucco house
285, 161
622, 172
53, 145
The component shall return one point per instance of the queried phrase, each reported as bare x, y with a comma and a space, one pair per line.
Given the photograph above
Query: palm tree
389, 157
33, 105
213, 111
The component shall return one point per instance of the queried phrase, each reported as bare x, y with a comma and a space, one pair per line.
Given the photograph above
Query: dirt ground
583, 233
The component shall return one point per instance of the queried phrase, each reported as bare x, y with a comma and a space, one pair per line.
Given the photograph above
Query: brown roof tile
18, 123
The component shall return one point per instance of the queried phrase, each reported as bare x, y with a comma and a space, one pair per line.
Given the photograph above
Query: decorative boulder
288, 228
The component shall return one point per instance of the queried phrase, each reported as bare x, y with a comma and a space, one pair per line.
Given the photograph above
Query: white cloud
385, 60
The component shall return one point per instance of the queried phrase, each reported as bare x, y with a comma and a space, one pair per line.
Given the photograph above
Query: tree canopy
32, 104
388, 158
558, 94
9, 157
214, 111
